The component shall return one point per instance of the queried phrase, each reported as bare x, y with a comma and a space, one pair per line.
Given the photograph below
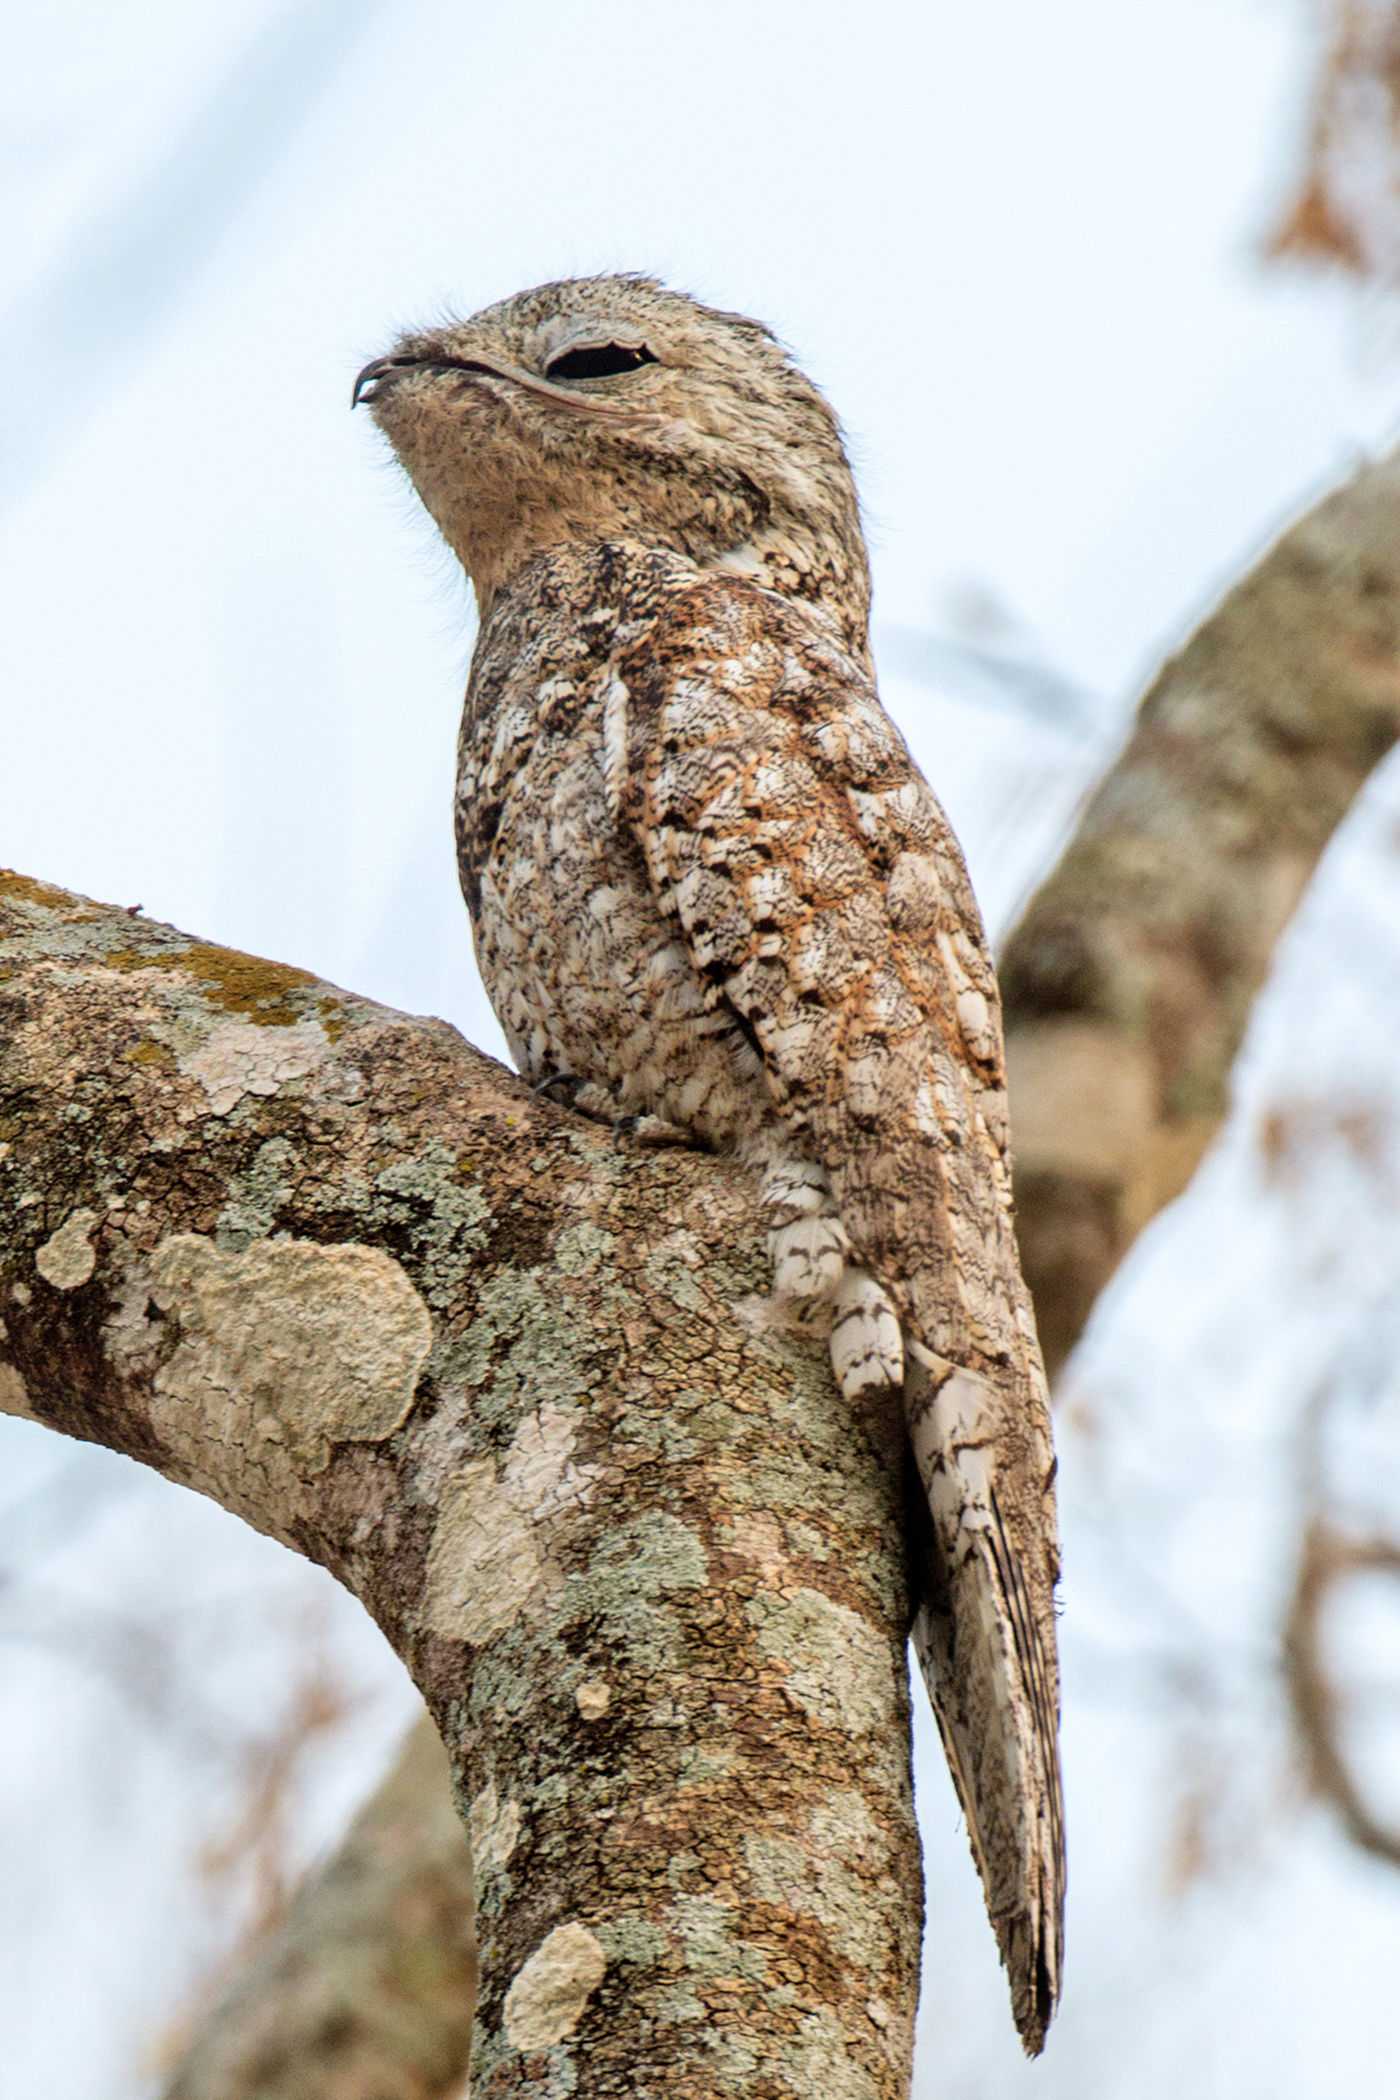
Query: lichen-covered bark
367, 1986
1129, 979
327, 1264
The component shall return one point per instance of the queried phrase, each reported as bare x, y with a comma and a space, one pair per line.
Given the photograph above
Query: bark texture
367, 1987
330, 1266
1129, 979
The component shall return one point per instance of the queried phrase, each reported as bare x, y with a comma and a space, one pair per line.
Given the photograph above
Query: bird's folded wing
823, 897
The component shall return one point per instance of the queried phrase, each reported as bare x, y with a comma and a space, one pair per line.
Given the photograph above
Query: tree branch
1130, 977
330, 1266
367, 1985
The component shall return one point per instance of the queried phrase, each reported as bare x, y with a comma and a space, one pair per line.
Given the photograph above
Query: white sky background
1013, 244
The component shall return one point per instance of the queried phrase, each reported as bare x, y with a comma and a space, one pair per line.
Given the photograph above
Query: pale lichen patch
844, 1827
495, 1828
541, 1477
894, 2029
630, 1577
132, 1334
547, 1998
703, 1927
460, 1208
821, 1881
68, 1257
247, 1057
655, 1553
631, 1936
482, 1566
485, 1563
838, 1663
299, 1343
545, 1353
670, 1268
579, 1248
757, 1538
697, 1766
593, 1698
14, 1395
256, 1196
820, 2062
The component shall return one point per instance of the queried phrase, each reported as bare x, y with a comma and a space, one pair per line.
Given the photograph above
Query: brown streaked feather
824, 898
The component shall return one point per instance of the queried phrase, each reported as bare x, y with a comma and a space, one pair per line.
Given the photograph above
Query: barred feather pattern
708, 885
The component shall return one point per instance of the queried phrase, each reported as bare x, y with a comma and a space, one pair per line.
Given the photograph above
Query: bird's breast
588, 974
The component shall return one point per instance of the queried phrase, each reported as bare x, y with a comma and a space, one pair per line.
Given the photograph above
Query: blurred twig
1344, 211
257, 1847
1329, 1558
252, 1775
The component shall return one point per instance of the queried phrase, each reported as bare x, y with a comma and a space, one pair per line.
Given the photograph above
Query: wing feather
823, 895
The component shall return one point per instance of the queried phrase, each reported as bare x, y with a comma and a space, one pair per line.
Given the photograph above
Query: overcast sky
1015, 243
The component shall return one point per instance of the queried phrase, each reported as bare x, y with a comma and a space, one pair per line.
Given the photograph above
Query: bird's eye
599, 361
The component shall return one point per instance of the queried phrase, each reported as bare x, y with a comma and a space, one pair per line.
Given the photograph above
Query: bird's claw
568, 1080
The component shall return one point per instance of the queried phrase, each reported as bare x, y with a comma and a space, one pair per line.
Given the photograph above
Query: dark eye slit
600, 361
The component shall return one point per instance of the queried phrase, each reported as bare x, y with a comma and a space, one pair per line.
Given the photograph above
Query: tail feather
984, 1635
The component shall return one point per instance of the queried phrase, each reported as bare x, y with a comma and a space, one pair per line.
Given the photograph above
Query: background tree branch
1128, 981
369, 1983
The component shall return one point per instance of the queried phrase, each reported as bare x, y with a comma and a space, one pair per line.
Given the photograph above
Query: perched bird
709, 886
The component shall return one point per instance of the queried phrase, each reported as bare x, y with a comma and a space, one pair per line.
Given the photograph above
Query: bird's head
611, 408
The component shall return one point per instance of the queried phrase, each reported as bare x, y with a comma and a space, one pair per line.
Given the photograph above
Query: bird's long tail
984, 1635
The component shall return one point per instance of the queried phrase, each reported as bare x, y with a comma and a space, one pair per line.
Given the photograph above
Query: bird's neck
825, 572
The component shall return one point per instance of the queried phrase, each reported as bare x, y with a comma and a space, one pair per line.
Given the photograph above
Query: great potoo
709, 886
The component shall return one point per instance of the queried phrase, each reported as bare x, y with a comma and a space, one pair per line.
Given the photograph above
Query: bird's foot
566, 1083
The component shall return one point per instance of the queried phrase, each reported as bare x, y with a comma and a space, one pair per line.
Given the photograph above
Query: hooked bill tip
365, 378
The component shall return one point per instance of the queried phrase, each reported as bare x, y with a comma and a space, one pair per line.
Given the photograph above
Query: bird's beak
367, 383
380, 372
370, 384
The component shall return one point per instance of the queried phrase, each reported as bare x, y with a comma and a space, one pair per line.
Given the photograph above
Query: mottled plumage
708, 885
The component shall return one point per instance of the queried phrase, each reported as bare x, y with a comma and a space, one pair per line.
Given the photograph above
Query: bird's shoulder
766, 776
733, 669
